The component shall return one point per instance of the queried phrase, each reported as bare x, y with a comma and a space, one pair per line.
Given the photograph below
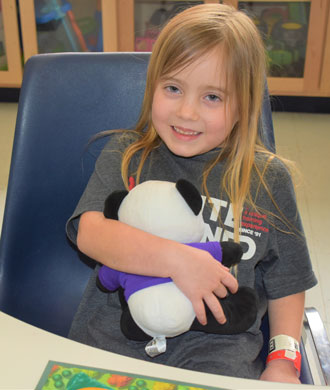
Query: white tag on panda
156, 346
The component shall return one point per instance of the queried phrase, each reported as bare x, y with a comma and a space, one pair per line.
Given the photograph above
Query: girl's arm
124, 248
285, 317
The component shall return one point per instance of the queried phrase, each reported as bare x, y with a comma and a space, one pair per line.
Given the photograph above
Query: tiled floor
304, 138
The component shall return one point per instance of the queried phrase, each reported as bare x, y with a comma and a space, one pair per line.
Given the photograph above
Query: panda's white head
166, 209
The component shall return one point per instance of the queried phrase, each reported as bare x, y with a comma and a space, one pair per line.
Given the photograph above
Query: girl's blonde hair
185, 38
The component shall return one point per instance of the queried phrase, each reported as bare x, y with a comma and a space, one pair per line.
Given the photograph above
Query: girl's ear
190, 194
112, 204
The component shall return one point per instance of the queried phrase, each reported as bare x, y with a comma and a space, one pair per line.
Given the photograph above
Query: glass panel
151, 15
3, 57
68, 26
284, 27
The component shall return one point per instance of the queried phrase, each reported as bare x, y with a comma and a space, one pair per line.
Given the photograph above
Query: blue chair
65, 99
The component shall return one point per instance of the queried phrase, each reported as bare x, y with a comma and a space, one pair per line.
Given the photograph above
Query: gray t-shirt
275, 261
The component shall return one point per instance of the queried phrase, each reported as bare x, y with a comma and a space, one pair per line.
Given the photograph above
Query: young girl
199, 121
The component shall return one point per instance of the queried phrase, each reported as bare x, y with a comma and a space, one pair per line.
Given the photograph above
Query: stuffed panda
154, 308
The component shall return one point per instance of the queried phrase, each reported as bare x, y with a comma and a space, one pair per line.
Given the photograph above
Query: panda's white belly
162, 310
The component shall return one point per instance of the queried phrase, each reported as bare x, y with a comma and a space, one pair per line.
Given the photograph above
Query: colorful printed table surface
63, 376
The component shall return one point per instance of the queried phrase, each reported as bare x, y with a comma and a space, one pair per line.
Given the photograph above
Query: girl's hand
280, 371
202, 278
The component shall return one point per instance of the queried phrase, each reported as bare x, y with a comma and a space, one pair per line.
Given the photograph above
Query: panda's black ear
190, 194
112, 204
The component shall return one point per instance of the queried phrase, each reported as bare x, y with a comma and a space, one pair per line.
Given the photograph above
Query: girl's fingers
213, 303
215, 307
230, 282
199, 310
221, 291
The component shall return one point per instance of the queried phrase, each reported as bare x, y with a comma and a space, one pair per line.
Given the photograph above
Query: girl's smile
192, 111
185, 132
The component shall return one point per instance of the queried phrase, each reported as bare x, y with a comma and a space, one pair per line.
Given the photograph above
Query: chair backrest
65, 99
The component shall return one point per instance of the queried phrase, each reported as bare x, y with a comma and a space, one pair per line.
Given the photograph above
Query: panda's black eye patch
190, 194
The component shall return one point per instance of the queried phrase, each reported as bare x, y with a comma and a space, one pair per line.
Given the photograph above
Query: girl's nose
187, 109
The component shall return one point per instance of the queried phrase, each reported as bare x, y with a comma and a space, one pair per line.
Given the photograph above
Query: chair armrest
317, 344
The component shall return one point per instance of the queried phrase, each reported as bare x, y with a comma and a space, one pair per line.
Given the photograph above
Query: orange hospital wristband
284, 347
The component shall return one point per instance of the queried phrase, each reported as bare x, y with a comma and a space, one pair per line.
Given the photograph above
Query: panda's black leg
130, 329
127, 325
240, 310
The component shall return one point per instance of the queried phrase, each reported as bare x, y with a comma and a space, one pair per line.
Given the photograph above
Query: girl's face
193, 109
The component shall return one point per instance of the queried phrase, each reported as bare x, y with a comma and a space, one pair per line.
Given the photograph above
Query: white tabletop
25, 351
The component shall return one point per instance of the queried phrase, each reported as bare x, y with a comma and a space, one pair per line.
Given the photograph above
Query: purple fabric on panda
112, 279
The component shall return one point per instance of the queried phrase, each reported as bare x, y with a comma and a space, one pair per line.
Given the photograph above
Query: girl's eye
172, 89
213, 98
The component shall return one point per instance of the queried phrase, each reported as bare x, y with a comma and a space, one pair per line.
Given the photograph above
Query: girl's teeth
185, 132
